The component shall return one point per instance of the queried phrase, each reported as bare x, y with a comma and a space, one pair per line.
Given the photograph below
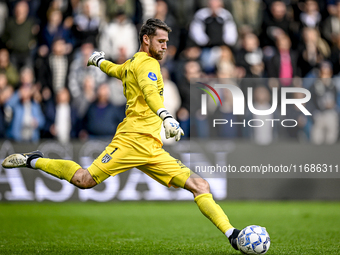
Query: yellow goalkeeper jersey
143, 89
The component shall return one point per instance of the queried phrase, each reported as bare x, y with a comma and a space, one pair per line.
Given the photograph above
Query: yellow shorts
129, 150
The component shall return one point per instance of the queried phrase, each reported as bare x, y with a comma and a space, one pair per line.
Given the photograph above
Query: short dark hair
150, 26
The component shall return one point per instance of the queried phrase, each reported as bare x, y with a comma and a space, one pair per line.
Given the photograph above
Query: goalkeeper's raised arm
97, 58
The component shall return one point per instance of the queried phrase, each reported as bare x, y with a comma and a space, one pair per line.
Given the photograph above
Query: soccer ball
253, 240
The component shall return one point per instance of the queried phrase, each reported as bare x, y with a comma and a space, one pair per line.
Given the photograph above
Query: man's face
58, 47
158, 44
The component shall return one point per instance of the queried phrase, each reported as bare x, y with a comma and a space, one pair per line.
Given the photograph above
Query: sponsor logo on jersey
180, 163
106, 158
152, 76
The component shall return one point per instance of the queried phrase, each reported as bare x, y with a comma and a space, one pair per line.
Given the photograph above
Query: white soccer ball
253, 240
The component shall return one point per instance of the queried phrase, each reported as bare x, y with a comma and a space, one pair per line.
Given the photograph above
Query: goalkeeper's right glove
171, 126
96, 58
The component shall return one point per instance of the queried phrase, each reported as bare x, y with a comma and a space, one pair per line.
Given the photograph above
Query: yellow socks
62, 169
213, 212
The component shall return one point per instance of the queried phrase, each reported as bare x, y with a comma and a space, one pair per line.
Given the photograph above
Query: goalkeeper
137, 142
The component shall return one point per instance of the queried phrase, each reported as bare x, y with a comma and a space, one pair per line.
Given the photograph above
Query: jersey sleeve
112, 69
148, 73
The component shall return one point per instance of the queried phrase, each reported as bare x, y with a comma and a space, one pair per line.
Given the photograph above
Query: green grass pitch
163, 227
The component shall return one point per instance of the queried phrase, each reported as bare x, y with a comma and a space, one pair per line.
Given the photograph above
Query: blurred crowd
47, 91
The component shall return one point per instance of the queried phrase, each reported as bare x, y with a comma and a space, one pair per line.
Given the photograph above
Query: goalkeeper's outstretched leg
62, 169
205, 202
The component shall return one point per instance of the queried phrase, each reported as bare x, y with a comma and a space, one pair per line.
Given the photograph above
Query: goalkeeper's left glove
171, 126
96, 58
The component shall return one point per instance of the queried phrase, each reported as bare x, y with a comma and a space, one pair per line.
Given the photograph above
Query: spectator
335, 55
26, 118
226, 70
331, 27
19, 35
183, 12
86, 97
250, 56
148, 8
313, 50
225, 57
2, 120
6, 91
53, 30
310, 16
4, 85
52, 70
283, 63
114, 37
247, 14
27, 76
58, 110
329, 8
101, 111
48, 109
65, 6
42, 11
86, 23
79, 70
33, 6
192, 70
64, 126
8, 68
3, 16
274, 24
213, 26
324, 96
189, 54
77, 7
113, 7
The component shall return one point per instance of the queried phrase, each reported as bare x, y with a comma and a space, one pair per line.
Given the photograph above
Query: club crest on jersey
106, 158
152, 76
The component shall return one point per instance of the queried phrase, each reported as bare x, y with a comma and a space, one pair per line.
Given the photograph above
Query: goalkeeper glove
171, 126
96, 58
